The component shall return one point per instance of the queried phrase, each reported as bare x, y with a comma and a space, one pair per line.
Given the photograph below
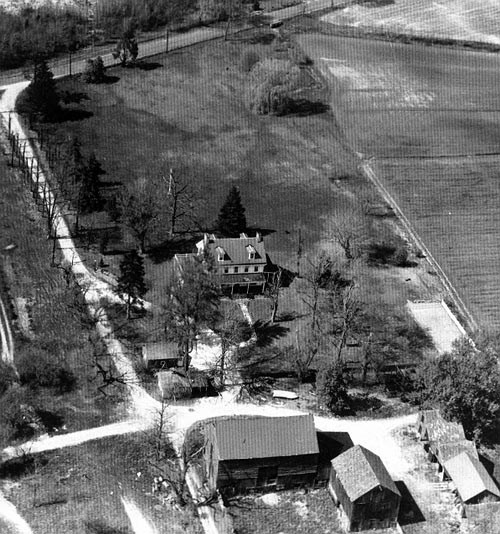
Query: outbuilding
472, 483
248, 453
363, 490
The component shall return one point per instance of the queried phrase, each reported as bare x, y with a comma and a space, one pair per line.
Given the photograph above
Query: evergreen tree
90, 195
131, 280
232, 219
40, 98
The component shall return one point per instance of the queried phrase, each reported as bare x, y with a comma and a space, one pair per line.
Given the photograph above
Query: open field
78, 490
456, 19
428, 116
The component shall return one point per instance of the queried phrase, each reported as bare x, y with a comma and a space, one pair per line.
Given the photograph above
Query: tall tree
131, 282
232, 220
127, 48
181, 201
40, 98
140, 206
90, 199
193, 303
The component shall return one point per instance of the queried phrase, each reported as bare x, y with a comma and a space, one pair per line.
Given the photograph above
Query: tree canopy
232, 220
465, 385
40, 98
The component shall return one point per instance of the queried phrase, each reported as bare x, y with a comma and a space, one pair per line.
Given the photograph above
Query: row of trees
43, 32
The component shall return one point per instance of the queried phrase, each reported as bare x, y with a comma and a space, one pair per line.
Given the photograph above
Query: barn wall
242, 475
378, 508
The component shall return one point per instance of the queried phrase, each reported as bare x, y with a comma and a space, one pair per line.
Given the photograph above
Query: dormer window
221, 253
251, 252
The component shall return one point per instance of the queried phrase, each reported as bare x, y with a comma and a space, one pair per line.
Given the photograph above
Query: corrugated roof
360, 470
236, 251
470, 476
245, 437
447, 451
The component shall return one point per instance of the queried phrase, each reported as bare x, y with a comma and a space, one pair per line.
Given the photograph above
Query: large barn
245, 453
363, 490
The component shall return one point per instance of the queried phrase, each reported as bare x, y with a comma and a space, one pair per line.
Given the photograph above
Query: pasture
450, 19
430, 118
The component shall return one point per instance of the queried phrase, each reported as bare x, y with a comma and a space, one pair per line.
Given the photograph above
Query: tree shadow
145, 65
409, 511
302, 107
73, 97
72, 115
108, 80
268, 332
169, 248
100, 527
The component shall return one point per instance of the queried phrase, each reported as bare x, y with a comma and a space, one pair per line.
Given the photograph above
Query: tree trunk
129, 306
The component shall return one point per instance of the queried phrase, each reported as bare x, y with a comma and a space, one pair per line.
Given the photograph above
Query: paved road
147, 48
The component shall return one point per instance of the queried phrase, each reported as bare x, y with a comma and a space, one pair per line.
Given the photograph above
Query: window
236, 269
226, 270
246, 269
267, 476
255, 269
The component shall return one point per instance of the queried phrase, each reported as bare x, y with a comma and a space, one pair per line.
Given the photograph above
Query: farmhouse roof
237, 250
245, 437
470, 477
160, 350
360, 470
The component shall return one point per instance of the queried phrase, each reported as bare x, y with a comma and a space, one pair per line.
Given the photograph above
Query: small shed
472, 483
363, 490
161, 355
173, 386
435, 431
248, 453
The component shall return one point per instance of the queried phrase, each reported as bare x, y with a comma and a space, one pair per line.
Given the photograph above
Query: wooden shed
160, 355
247, 453
363, 490
472, 483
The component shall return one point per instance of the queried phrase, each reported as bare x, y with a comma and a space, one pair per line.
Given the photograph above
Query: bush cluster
271, 82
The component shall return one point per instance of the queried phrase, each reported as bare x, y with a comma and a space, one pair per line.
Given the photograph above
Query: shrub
248, 59
94, 71
37, 368
270, 86
331, 387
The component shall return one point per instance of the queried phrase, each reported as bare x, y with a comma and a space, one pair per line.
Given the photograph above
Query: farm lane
152, 47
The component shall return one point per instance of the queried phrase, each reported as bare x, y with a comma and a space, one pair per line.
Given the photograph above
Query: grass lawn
286, 512
77, 490
45, 307
430, 118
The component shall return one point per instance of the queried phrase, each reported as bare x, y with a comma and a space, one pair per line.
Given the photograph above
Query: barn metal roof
470, 477
446, 451
360, 470
245, 437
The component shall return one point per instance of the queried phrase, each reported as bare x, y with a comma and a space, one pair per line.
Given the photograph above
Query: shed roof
236, 250
161, 350
437, 429
245, 437
446, 451
470, 476
360, 470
